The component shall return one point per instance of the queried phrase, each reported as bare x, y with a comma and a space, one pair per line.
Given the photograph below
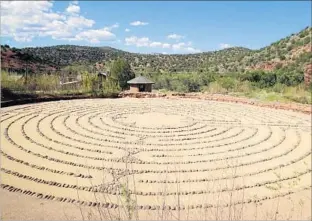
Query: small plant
129, 202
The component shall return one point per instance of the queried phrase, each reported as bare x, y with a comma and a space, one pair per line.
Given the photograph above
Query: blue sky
152, 27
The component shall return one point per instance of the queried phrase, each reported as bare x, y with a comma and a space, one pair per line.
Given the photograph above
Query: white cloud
138, 23
166, 45
73, 9
175, 36
146, 42
192, 50
178, 46
25, 20
95, 35
156, 44
127, 30
109, 28
224, 45
185, 47
79, 22
139, 42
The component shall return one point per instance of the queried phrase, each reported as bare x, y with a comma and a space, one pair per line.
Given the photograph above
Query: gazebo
140, 84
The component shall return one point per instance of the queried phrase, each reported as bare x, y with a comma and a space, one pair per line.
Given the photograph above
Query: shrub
121, 71
290, 79
110, 87
90, 82
227, 83
307, 40
215, 87
245, 87
279, 88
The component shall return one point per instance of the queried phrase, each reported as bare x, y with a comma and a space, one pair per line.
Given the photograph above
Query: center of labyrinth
154, 119
91, 152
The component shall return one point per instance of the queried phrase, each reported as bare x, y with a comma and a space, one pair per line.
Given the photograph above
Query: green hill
292, 53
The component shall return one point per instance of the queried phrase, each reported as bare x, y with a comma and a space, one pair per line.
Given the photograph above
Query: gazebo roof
140, 80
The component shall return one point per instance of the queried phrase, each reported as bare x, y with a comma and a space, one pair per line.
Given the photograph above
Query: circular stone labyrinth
167, 154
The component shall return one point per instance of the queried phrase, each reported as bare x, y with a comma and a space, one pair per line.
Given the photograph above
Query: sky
168, 27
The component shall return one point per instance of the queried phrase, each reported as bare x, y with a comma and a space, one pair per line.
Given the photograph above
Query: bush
290, 79
121, 72
215, 87
307, 40
227, 83
279, 88
110, 88
245, 87
260, 79
90, 82
268, 79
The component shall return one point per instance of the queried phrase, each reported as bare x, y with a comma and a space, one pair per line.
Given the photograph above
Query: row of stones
176, 108
104, 188
140, 162
117, 171
260, 115
209, 146
230, 157
105, 139
199, 110
169, 133
149, 144
35, 109
94, 132
67, 144
230, 177
115, 189
115, 147
64, 144
264, 115
298, 138
149, 171
117, 160
42, 167
197, 137
126, 131
237, 188
71, 138
53, 128
144, 207
226, 144
200, 141
47, 157
91, 137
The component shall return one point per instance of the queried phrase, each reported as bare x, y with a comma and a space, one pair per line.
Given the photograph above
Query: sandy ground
197, 157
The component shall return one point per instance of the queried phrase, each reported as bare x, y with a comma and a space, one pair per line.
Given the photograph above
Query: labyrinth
167, 154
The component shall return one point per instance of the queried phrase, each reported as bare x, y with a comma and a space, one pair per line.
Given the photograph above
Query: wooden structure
140, 84
102, 76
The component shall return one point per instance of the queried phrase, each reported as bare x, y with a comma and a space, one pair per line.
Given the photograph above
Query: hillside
17, 60
292, 53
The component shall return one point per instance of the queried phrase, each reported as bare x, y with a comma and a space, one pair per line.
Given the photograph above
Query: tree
121, 72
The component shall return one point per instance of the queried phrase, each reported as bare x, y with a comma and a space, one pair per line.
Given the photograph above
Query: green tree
121, 72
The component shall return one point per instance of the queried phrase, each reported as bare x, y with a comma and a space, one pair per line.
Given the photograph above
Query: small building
140, 84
